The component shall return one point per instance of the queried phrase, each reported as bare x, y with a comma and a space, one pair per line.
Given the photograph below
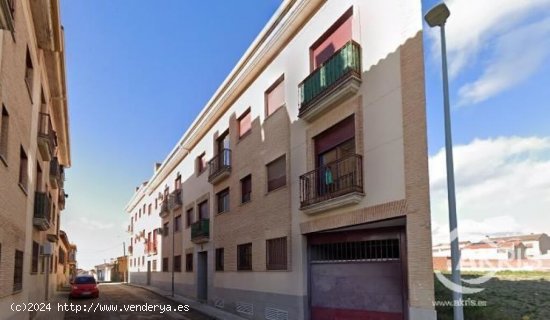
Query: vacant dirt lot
508, 296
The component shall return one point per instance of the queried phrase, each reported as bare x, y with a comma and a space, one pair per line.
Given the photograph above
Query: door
356, 275
202, 276
223, 146
148, 273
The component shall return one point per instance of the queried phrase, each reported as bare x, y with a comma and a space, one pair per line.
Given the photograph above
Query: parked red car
84, 286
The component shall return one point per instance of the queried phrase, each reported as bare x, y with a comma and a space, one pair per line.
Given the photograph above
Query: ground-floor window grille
219, 259
18, 271
244, 256
371, 250
276, 254
35, 253
189, 262
177, 264
164, 264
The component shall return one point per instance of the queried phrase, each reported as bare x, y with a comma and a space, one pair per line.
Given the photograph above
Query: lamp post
437, 16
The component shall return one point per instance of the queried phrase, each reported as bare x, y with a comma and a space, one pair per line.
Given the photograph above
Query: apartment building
34, 150
301, 189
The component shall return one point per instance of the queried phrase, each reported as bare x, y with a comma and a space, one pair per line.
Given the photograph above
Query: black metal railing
164, 208
342, 64
62, 198
46, 132
220, 163
200, 229
332, 180
175, 199
42, 213
55, 169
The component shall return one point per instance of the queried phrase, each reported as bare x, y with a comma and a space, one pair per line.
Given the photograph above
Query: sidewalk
193, 304
59, 297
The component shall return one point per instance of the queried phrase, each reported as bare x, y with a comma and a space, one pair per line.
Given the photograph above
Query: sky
139, 72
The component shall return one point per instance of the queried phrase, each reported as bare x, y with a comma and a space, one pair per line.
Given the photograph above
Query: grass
509, 295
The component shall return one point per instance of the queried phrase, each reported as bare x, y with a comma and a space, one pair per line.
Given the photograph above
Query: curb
208, 310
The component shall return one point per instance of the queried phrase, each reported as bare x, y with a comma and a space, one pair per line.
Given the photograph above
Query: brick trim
369, 214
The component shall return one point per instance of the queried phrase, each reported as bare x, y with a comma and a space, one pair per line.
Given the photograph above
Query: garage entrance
357, 274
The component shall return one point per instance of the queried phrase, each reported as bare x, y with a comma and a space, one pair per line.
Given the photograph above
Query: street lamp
437, 16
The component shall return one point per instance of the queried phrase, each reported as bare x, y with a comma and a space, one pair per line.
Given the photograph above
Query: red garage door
356, 275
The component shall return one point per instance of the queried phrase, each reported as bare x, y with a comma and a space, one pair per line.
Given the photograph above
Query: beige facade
337, 167
34, 150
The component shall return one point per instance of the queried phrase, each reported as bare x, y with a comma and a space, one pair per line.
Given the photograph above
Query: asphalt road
117, 301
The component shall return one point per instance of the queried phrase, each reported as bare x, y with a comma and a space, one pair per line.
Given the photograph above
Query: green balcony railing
200, 230
41, 217
343, 63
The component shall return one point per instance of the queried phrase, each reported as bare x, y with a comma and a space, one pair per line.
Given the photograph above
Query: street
117, 300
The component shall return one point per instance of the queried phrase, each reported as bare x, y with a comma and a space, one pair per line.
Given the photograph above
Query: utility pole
437, 16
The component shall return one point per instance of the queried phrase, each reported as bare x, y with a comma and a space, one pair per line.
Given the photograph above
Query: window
38, 177
11, 6
190, 217
29, 72
275, 96
177, 224
35, 253
201, 163
189, 262
165, 264
166, 231
332, 40
156, 203
245, 123
223, 201
18, 271
23, 169
177, 264
219, 259
155, 265
244, 256
4, 131
203, 210
276, 174
276, 254
246, 189
139, 213
150, 208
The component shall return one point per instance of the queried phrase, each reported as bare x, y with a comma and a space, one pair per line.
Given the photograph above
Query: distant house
494, 250
104, 272
444, 249
536, 245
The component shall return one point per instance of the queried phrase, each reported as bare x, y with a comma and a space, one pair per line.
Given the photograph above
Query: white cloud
502, 185
517, 55
505, 31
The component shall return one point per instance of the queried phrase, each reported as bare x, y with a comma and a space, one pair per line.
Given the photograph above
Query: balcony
219, 166
337, 184
200, 231
47, 140
55, 173
164, 209
41, 218
335, 80
62, 199
6, 16
175, 200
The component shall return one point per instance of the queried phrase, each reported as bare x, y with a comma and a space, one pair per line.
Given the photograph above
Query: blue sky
140, 71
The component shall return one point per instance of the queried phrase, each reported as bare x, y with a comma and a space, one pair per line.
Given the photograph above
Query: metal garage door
356, 275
